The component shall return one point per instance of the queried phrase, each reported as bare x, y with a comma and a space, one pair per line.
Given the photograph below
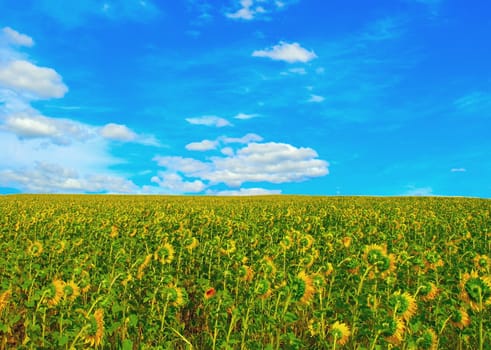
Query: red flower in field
210, 293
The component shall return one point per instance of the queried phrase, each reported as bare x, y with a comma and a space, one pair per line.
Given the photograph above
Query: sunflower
176, 296
373, 253
460, 318
309, 259
263, 289
59, 247
96, 331
475, 290
392, 329
302, 288
287, 242
268, 266
432, 260
4, 299
428, 291
347, 242
314, 327
403, 305
305, 242
210, 293
428, 340
71, 290
165, 254
114, 231
229, 247
482, 263
56, 292
246, 273
191, 243
141, 269
382, 263
35, 248
339, 332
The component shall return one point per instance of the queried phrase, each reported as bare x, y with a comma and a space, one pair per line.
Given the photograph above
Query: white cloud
286, 52
256, 162
25, 77
246, 12
228, 151
17, 38
244, 139
117, 132
255, 191
209, 120
174, 183
458, 170
52, 178
421, 191
204, 145
244, 116
475, 102
316, 99
59, 131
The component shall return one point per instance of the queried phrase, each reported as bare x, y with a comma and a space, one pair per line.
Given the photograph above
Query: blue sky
246, 97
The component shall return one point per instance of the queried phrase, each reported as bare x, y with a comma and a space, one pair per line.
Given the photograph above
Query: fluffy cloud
475, 102
59, 131
256, 162
118, 132
290, 53
244, 139
422, 191
316, 98
53, 178
458, 170
255, 191
204, 145
174, 183
255, 9
16, 38
209, 120
244, 116
26, 78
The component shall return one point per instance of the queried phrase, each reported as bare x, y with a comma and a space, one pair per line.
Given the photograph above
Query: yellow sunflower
302, 288
392, 329
339, 332
56, 292
142, 267
71, 291
246, 273
176, 296
35, 248
263, 289
165, 254
428, 291
403, 305
475, 290
428, 340
96, 331
460, 318
4, 299
482, 263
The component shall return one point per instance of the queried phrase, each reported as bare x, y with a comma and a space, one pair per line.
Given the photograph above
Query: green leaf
127, 345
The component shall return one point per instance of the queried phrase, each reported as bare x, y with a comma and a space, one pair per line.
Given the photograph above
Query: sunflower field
268, 272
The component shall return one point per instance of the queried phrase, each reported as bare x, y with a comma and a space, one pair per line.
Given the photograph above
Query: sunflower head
165, 254
286, 242
268, 266
4, 299
482, 263
246, 273
305, 242
302, 288
428, 291
339, 333
95, 332
35, 249
56, 292
403, 305
460, 318
176, 296
392, 329
475, 290
71, 291
428, 340
263, 289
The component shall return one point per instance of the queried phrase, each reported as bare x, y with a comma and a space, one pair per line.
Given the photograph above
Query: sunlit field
275, 272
